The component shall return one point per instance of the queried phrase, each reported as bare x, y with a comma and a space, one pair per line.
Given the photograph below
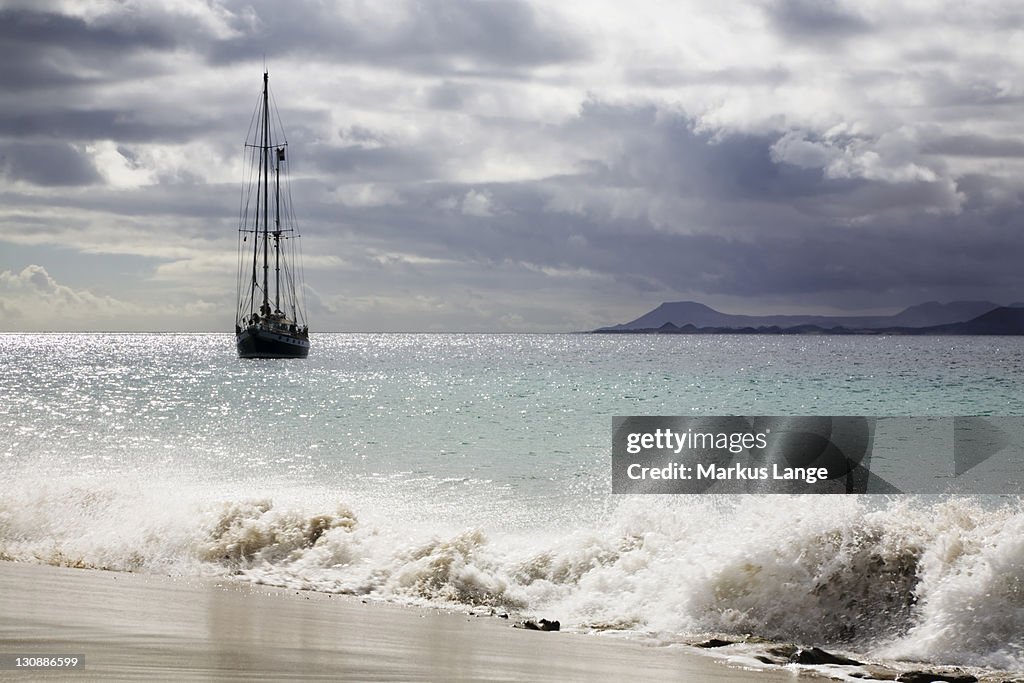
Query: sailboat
270, 321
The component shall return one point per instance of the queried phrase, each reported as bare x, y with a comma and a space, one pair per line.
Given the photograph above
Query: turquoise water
461, 405
473, 470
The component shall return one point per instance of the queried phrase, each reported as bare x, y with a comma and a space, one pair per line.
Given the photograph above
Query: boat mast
265, 309
279, 154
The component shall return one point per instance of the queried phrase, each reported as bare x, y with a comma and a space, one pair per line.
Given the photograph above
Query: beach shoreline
132, 626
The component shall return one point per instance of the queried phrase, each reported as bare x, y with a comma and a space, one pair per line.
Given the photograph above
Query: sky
512, 165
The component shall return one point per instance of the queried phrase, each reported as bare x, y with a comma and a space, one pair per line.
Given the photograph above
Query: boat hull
255, 342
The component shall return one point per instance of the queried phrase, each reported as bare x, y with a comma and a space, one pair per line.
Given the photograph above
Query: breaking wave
910, 578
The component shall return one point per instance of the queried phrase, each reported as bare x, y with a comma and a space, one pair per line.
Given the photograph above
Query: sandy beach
135, 626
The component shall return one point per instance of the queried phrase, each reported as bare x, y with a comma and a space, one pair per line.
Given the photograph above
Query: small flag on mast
280, 153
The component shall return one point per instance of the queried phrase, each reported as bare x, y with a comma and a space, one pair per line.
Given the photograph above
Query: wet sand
135, 626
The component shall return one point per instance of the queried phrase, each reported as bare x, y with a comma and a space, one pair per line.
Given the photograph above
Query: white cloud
368, 194
34, 301
478, 203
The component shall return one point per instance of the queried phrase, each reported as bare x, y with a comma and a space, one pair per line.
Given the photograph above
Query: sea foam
934, 580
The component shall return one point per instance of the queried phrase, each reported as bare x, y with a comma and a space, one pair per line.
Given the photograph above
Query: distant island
931, 318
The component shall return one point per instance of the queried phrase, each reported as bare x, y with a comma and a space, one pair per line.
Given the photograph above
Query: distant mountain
934, 313
1004, 320
683, 313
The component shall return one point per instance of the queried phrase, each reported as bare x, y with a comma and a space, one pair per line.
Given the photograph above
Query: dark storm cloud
51, 62
789, 229
423, 36
123, 125
43, 49
114, 33
47, 164
804, 260
367, 164
664, 152
754, 226
815, 19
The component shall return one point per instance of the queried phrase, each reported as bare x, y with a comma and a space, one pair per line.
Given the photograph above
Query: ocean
472, 472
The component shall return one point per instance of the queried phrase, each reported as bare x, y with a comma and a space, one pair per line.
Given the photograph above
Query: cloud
818, 20
895, 157
478, 165
64, 123
34, 301
52, 164
478, 204
449, 35
448, 95
46, 49
669, 208
968, 145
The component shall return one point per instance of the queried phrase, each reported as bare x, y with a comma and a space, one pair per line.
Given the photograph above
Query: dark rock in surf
542, 625
714, 642
815, 655
875, 673
928, 677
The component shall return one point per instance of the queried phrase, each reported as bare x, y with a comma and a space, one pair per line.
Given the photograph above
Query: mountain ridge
683, 313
